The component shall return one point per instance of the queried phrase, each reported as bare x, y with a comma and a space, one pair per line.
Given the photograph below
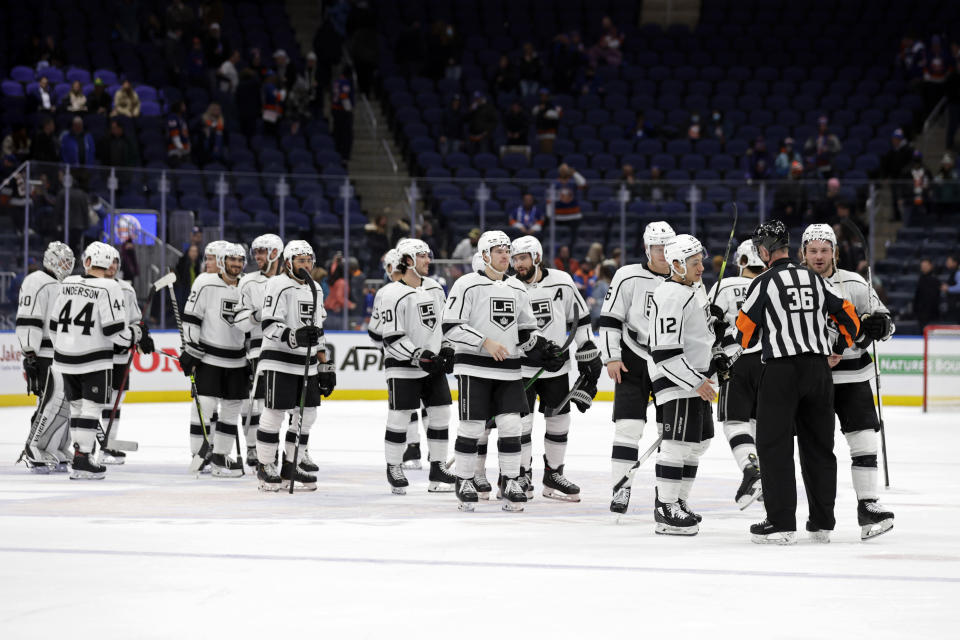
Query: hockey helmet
527, 244
58, 259
679, 249
657, 233
230, 250
390, 260
296, 248
478, 264
772, 235
99, 254
214, 248
818, 232
268, 242
411, 247
747, 256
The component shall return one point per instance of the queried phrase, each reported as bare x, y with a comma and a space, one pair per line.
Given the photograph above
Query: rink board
156, 378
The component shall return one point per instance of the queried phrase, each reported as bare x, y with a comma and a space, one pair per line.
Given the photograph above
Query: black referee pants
796, 392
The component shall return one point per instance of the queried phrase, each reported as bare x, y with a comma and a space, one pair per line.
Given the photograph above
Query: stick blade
165, 281
123, 445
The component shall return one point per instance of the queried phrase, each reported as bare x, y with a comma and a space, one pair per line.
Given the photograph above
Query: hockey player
89, 320
553, 297
852, 374
48, 446
737, 407
291, 325
266, 251
216, 354
681, 345
417, 360
490, 323
624, 319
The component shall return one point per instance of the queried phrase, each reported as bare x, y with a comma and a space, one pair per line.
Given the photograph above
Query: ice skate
440, 480
300, 479
252, 457
556, 485
511, 491
686, 507
820, 536
766, 533
112, 456
269, 478
306, 463
620, 502
85, 469
673, 520
750, 488
398, 482
874, 519
223, 466
201, 459
466, 494
38, 461
526, 482
411, 456
63, 461
482, 485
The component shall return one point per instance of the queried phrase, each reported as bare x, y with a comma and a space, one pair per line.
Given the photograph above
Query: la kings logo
542, 312
503, 312
428, 314
228, 309
647, 304
306, 312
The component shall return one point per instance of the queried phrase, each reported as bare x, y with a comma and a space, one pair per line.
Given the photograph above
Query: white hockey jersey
479, 308
209, 323
252, 288
373, 327
409, 318
287, 306
681, 341
552, 301
35, 306
625, 314
733, 291
134, 316
855, 364
88, 319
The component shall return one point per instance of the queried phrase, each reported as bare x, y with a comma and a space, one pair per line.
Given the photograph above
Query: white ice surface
153, 552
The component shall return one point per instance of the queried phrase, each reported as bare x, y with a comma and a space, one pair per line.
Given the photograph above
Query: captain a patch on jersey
428, 314
503, 312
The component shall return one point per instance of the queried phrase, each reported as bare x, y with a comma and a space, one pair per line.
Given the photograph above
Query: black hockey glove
720, 364
33, 371
145, 345
547, 354
306, 336
718, 323
585, 390
428, 361
327, 378
188, 363
446, 357
875, 326
588, 361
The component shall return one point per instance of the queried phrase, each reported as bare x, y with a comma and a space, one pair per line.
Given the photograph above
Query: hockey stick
128, 445
636, 465
876, 368
726, 254
198, 459
305, 276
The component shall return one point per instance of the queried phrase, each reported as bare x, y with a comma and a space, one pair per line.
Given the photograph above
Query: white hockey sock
626, 442
465, 448
309, 415
413, 429
526, 441
268, 435
690, 463
740, 436
105, 416
863, 468
555, 439
670, 469
395, 439
438, 432
508, 443
84, 420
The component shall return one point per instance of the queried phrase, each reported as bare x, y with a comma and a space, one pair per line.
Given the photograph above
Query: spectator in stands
756, 161
308, 81
642, 130
428, 235
912, 56
790, 201
517, 127
505, 79
8, 164
787, 156
130, 268
274, 97
17, 143
227, 75
820, 148
589, 84
196, 65
377, 241
566, 209
530, 69
196, 237
451, 127
825, 209
547, 119
951, 289
897, 158
629, 180
76, 145
46, 144
565, 262
213, 135
126, 102
214, 49
44, 97
609, 48
341, 107
248, 99
568, 57
693, 128
481, 123
656, 189
257, 64
52, 53
444, 50
364, 44
116, 149
935, 74
947, 172
718, 129
188, 267
845, 212
286, 73
410, 51
79, 210
595, 301
849, 252
918, 200
178, 134
75, 101
527, 218
585, 277
319, 275
99, 100
616, 256
926, 298
465, 249
951, 91
179, 17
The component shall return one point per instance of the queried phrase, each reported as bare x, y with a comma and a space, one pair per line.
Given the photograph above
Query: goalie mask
58, 259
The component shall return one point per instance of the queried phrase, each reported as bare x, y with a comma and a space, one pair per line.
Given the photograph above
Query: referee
786, 310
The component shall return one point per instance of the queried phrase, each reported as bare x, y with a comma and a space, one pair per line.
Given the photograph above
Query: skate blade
41, 469
440, 487
299, 486
112, 461
412, 464
219, 472
87, 475
398, 491
668, 530
869, 531
820, 537
123, 445
749, 499
560, 496
61, 468
512, 507
469, 507
269, 487
782, 537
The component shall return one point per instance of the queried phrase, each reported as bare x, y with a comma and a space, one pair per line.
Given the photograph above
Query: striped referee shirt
787, 309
